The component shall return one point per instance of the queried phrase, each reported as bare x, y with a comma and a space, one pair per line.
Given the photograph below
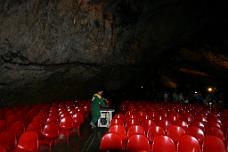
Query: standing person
97, 102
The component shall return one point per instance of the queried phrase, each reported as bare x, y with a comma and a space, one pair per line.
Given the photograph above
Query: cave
57, 51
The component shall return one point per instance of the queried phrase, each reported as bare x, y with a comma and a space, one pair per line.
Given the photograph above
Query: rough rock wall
53, 49
54, 46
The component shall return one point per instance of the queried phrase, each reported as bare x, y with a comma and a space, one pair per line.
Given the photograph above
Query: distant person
166, 97
175, 97
181, 97
97, 103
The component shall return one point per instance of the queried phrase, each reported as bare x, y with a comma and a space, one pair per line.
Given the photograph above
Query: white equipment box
106, 117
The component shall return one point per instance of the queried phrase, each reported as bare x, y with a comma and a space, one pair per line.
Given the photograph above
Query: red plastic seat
136, 129
163, 144
153, 115
182, 124
2, 125
142, 115
165, 124
53, 119
119, 129
50, 133
213, 144
198, 124
173, 118
119, 116
18, 128
147, 123
78, 120
111, 142
196, 132
2, 149
66, 124
214, 131
131, 122
187, 143
8, 139
213, 118
10, 119
39, 119
117, 122
188, 118
212, 124
138, 143
200, 119
34, 126
154, 131
175, 132
28, 142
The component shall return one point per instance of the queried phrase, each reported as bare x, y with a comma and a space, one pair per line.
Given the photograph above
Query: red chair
117, 122
78, 120
138, 143
18, 128
10, 119
165, 124
65, 125
198, 124
196, 132
172, 118
135, 130
187, 143
36, 127
111, 142
2, 125
214, 131
2, 149
153, 115
147, 123
163, 144
154, 131
131, 122
188, 118
8, 139
213, 118
142, 115
212, 124
119, 116
200, 119
213, 144
175, 132
53, 119
28, 142
50, 133
182, 124
119, 129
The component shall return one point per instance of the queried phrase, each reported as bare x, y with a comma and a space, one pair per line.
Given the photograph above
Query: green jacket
97, 102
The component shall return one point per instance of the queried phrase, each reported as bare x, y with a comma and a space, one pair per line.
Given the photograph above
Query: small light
209, 89
141, 87
196, 92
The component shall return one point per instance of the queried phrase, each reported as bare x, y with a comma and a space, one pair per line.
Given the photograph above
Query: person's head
100, 92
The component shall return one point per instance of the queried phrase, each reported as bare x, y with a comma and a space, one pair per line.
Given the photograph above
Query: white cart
106, 117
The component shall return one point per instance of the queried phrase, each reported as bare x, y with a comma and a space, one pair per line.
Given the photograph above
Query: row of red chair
139, 142
171, 120
165, 125
176, 113
48, 122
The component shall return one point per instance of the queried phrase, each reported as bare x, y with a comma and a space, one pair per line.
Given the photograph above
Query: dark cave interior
66, 49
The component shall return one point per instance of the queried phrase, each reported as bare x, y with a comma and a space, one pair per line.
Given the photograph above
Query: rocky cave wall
63, 49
